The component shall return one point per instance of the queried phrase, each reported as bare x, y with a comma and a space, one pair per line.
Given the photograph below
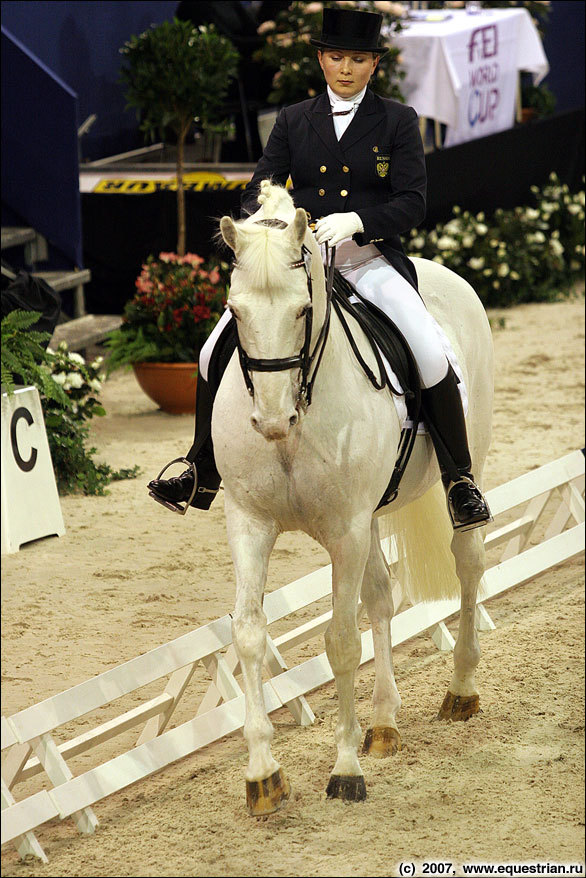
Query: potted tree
175, 74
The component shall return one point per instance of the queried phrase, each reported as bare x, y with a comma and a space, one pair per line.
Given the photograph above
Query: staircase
84, 329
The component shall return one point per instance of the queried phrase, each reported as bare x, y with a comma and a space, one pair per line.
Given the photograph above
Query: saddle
384, 337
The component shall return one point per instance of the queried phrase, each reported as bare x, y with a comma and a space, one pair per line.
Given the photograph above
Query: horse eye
303, 311
233, 311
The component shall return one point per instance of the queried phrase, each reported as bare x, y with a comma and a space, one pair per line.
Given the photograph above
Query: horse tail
421, 532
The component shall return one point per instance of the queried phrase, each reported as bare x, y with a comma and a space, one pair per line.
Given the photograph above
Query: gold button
345, 169
344, 192
323, 169
321, 192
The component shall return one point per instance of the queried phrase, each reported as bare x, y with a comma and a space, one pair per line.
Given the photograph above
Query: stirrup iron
169, 504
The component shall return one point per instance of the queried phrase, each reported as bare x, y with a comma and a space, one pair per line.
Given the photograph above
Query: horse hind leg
343, 648
382, 738
462, 700
251, 543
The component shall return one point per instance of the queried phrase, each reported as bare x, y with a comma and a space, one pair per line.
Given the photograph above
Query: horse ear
299, 225
228, 230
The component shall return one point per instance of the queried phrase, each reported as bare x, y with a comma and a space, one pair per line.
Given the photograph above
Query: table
463, 69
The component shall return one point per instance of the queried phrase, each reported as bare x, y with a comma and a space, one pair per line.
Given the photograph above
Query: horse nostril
293, 420
254, 422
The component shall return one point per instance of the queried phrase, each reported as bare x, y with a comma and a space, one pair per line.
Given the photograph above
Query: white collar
351, 102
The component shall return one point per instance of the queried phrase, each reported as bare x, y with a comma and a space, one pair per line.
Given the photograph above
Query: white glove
337, 226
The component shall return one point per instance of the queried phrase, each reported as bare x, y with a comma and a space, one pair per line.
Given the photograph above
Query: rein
304, 360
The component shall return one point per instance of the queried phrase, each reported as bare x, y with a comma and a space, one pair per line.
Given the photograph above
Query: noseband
304, 360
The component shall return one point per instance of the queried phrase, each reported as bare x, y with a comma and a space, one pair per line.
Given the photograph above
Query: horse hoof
459, 707
350, 788
381, 741
268, 795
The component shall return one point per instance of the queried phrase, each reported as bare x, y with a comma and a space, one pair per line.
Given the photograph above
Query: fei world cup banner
484, 66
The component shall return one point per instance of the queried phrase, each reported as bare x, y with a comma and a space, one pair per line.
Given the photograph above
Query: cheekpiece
350, 29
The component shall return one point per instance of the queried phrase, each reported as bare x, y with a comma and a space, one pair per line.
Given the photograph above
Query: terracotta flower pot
170, 385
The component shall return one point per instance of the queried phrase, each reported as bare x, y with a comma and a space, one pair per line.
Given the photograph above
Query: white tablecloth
463, 71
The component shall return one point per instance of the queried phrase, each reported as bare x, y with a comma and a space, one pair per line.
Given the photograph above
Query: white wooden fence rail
28, 747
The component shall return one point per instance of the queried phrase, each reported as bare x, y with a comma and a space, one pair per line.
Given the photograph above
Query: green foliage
68, 429
528, 254
178, 302
69, 389
539, 98
293, 60
23, 356
174, 72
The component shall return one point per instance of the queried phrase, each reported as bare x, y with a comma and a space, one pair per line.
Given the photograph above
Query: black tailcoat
376, 169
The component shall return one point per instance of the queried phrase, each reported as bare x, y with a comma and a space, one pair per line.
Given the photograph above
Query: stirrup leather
169, 504
462, 527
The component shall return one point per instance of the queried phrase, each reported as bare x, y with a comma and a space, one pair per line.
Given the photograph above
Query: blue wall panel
40, 178
80, 42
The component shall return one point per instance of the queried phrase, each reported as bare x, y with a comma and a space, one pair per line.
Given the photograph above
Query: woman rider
356, 161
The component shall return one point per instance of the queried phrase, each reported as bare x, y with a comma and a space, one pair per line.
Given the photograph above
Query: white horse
323, 469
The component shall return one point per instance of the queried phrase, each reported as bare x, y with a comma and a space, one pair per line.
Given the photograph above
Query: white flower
74, 379
477, 262
537, 238
74, 408
556, 246
76, 358
418, 243
531, 213
481, 229
97, 363
480, 217
438, 259
50, 351
468, 240
452, 227
496, 284
515, 275
446, 243
574, 208
493, 242
503, 269
95, 384
59, 378
487, 272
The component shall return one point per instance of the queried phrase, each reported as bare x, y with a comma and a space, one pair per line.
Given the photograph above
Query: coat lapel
321, 121
368, 115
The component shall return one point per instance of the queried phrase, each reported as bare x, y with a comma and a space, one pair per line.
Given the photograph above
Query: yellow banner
196, 181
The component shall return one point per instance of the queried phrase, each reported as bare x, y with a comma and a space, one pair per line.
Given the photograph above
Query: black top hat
350, 29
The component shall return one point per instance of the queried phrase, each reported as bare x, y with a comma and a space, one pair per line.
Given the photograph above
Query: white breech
376, 280
381, 284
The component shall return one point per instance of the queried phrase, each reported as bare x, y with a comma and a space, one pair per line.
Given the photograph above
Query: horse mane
264, 252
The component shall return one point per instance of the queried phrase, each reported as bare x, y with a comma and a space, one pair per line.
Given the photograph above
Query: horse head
271, 302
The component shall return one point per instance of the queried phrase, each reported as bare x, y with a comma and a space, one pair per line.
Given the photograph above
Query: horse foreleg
343, 648
382, 738
462, 699
251, 543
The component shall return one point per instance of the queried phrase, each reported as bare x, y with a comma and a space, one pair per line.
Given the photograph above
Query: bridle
305, 359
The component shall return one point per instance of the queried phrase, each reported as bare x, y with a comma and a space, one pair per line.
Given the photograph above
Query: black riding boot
172, 492
444, 416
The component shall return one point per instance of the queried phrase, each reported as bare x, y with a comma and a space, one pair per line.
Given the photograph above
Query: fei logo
483, 43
